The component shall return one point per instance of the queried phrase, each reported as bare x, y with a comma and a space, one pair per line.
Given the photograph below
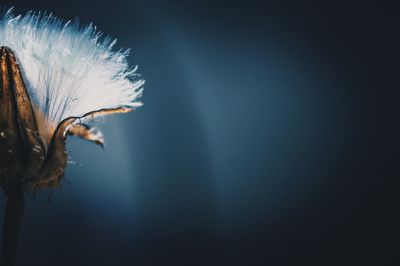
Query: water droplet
75, 98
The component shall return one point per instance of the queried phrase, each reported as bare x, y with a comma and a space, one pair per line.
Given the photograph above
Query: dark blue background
259, 142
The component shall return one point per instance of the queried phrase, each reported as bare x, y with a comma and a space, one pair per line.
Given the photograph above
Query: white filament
69, 70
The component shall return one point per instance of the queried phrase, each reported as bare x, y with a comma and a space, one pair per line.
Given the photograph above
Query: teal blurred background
259, 142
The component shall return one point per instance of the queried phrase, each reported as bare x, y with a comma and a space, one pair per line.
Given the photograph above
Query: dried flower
54, 78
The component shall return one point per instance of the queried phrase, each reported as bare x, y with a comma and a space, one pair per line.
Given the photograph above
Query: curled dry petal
56, 78
23, 157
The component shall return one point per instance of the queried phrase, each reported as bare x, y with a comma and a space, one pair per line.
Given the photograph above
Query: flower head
54, 77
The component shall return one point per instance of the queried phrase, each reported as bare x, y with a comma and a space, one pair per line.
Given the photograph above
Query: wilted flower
54, 78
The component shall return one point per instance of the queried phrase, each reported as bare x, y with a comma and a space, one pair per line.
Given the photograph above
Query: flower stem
13, 215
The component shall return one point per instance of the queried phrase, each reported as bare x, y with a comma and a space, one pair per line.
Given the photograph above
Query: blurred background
260, 141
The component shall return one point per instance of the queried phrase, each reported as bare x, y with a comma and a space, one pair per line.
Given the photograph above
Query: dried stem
13, 215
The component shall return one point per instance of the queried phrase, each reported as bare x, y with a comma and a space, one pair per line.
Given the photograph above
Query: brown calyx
30, 153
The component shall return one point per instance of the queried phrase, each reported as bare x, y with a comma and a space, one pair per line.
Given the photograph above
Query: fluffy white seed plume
69, 70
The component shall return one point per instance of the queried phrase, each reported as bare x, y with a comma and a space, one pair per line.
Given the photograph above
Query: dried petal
21, 149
